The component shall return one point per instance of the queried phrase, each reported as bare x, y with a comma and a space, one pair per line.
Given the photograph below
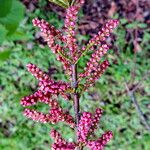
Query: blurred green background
20, 44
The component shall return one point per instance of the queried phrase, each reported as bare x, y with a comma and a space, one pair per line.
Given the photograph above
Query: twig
145, 76
134, 87
133, 98
75, 97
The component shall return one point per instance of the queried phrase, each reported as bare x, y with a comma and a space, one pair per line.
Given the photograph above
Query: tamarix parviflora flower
63, 44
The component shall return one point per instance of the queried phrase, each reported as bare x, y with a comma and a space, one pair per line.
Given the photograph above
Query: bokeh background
123, 91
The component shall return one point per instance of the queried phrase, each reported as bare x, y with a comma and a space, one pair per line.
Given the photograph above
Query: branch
76, 98
60, 3
137, 106
145, 76
135, 86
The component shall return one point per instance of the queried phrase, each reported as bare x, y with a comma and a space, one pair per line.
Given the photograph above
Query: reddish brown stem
76, 97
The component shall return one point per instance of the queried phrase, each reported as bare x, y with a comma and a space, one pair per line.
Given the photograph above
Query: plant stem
76, 98
137, 106
83, 53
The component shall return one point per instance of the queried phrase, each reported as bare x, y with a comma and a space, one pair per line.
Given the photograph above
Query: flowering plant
64, 46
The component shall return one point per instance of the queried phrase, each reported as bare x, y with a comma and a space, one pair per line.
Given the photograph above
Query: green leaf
142, 25
4, 55
20, 35
132, 25
61, 3
5, 7
14, 16
146, 37
123, 21
136, 24
3, 33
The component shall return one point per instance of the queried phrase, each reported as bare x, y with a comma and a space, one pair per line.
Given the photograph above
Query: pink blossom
101, 142
59, 142
63, 44
84, 126
38, 73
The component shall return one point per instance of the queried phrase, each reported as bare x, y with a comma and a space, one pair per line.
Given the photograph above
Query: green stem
87, 48
64, 56
72, 3
60, 3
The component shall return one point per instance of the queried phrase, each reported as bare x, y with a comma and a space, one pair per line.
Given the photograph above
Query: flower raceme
88, 123
63, 44
59, 142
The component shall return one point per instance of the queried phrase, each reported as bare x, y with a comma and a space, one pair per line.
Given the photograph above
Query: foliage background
20, 43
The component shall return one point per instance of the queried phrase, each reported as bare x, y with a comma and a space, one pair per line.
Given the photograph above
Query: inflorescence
49, 90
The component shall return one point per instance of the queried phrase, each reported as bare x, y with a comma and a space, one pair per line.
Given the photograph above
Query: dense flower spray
69, 54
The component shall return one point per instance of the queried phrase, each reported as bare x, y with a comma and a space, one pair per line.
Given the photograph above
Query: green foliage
136, 24
3, 32
11, 14
5, 7
120, 116
4, 55
63, 3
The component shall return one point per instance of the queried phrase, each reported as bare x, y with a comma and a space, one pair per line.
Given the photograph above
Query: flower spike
63, 44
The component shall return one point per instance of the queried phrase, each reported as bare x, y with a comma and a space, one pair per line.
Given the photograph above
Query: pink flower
101, 142
104, 32
87, 125
70, 24
96, 73
38, 73
93, 63
84, 126
64, 46
55, 115
37, 116
60, 143
50, 34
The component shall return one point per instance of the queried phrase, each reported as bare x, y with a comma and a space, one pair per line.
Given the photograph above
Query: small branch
72, 3
60, 3
75, 94
145, 76
133, 98
87, 48
134, 87
65, 57
75, 97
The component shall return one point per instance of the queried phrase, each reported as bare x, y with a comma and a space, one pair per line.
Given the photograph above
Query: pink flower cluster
69, 53
93, 62
87, 125
60, 143
101, 142
94, 69
104, 32
70, 24
50, 35
84, 126
48, 89
101, 36
64, 45
96, 73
